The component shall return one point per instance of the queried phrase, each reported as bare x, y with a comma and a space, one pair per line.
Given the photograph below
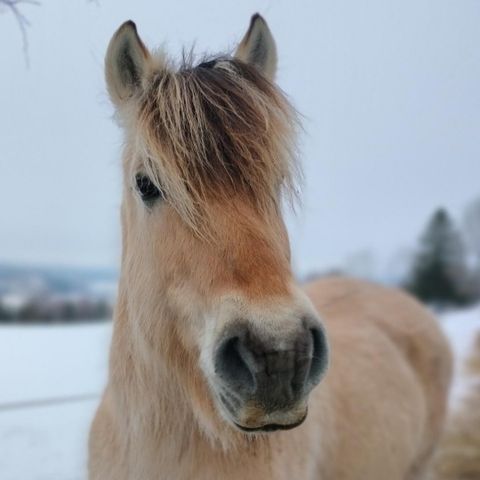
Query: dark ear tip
255, 18
129, 24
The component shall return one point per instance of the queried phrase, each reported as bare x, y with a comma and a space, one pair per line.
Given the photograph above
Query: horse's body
212, 337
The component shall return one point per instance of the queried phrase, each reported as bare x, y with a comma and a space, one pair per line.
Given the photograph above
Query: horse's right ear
126, 63
258, 47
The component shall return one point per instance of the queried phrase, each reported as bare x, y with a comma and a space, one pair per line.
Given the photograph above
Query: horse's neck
150, 393
142, 382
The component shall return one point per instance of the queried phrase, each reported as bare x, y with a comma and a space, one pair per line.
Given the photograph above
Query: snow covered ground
461, 327
47, 440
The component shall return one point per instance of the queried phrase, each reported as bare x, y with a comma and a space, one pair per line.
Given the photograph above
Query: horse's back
389, 376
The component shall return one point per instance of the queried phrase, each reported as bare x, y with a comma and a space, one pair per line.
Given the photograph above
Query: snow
47, 441
461, 327
52, 361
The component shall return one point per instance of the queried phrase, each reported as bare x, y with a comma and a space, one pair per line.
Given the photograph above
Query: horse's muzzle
264, 382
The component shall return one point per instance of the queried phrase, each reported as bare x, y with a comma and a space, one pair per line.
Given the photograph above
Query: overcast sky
389, 90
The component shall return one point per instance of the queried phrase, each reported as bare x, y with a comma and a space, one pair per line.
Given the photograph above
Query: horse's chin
266, 423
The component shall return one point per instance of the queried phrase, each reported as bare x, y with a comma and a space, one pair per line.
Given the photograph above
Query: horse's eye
147, 189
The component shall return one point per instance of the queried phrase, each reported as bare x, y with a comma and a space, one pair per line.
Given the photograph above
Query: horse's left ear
258, 47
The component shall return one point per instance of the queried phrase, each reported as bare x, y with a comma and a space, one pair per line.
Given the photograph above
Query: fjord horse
221, 365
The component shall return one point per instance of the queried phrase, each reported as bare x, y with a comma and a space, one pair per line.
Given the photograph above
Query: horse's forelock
217, 129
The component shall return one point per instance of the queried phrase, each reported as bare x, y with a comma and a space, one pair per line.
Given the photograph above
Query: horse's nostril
234, 365
274, 372
319, 355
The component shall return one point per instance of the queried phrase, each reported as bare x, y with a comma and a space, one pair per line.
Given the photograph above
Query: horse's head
210, 151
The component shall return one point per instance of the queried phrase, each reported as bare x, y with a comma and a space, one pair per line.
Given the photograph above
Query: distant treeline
43, 311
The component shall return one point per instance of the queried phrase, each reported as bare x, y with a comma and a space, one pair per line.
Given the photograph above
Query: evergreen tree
439, 272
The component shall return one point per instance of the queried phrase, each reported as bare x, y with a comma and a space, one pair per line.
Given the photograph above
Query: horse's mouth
271, 427
260, 421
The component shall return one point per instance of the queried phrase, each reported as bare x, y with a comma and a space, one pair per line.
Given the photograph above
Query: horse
222, 366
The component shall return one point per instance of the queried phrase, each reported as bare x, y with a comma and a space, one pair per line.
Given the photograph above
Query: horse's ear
126, 63
258, 47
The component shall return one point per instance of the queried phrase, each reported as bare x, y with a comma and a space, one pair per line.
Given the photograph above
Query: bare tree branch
23, 23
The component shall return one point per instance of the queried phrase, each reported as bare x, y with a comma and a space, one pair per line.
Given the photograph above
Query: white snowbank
461, 327
45, 362
52, 361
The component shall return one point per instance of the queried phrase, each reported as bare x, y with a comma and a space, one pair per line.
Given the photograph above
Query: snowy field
51, 376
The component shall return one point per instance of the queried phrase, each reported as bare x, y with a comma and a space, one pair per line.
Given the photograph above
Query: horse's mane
217, 129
